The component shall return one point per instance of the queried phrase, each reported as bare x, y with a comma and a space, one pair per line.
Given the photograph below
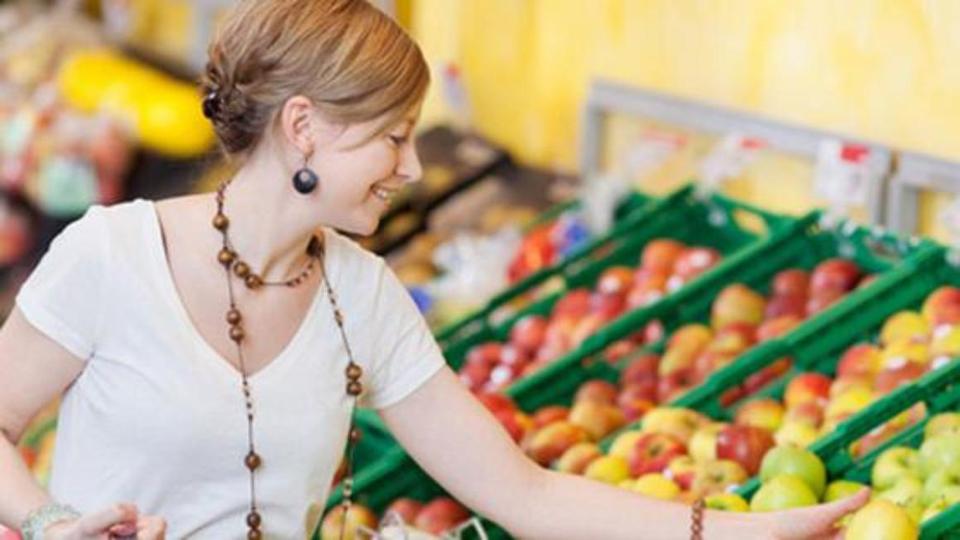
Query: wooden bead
220, 222
236, 333
355, 435
226, 256
354, 388
252, 461
241, 270
254, 534
253, 519
234, 317
354, 372
253, 281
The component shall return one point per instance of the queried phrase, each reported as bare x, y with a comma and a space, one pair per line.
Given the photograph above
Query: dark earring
305, 180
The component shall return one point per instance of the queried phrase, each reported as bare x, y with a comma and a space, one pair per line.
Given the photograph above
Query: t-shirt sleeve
405, 352
62, 298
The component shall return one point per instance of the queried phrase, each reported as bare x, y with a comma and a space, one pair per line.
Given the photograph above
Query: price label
845, 172
950, 218
728, 159
650, 151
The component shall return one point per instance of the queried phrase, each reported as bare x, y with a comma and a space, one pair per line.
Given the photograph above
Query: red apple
733, 338
661, 254
823, 299
693, 262
597, 418
774, 328
597, 390
791, 282
890, 379
406, 508
640, 369
502, 375
473, 376
340, 523
495, 403
616, 280
551, 441
672, 385
737, 303
681, 470
835, 274
637, 399
710, 361
763, 413
608, 306
765, 376
529, 333
652, 452
807, 387
548, 415
440, 515
732, 395
587, 327
942, 306
862, 359
653, 332
574, 304
683, 348
744, 444
810, 413
782, 305
487, 354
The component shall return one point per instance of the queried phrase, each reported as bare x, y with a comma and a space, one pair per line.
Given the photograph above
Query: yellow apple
703, 444
623, 445
729, 502
608, 469
796, 433
881, 520
656, 485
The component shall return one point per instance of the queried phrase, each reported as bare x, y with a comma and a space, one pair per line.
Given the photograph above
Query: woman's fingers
151, 528
100, 522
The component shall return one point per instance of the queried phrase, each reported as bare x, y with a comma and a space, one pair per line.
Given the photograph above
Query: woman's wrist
45, 518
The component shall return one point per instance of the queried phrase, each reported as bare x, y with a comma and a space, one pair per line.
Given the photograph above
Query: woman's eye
398, 139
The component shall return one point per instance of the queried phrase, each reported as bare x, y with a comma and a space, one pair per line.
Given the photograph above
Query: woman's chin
364, 227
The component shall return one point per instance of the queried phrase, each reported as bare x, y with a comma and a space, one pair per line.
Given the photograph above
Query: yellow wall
887, 70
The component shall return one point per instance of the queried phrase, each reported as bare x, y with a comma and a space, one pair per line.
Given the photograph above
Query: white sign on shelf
844, 173
950, 218
728, 159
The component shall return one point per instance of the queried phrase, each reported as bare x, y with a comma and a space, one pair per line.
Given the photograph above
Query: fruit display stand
939, 391
918, 175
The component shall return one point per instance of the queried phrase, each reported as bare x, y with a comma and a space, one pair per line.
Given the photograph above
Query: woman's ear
297, 118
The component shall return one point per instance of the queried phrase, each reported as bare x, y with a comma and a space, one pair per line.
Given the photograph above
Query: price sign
844, 173
950, 218
728, 159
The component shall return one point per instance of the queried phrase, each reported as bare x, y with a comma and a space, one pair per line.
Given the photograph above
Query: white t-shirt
157, 417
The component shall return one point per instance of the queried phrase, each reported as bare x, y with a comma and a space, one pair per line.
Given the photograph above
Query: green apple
728, 502
943, 485
934, 510
907, 493
781, 493
797, 461
841, 489
892, 465
939, 453
881, 520
948, 422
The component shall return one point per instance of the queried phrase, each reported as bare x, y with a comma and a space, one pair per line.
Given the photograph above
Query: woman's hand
119, 521
816, 522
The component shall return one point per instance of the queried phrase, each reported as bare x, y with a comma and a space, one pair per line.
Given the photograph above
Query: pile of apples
535, 341
417, 520
741, 317
546, 245
910, 486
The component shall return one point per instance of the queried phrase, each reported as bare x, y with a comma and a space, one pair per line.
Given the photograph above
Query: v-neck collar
162, 264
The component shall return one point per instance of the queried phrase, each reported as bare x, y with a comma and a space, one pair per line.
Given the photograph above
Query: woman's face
358, 177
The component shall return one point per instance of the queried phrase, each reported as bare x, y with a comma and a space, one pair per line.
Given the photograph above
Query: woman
201, 401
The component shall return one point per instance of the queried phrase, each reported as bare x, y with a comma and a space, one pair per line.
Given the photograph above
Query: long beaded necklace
235, 266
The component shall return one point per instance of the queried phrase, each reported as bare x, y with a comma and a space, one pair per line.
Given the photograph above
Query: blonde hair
350, 59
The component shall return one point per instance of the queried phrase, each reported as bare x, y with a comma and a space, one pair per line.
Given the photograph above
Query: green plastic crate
939, 390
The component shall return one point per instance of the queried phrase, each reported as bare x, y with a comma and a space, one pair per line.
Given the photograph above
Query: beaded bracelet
38, 520
696, 520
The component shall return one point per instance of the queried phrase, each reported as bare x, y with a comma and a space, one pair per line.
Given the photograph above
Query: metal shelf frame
606, 98
917, 173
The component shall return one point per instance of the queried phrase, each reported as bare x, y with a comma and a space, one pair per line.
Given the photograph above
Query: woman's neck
267, 228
